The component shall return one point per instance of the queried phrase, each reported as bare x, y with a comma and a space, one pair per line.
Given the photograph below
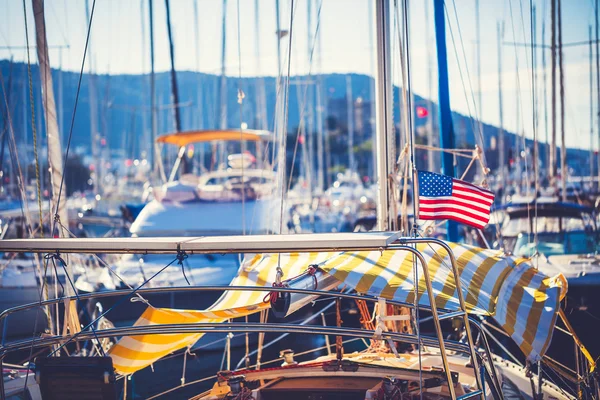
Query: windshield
552, 244
516, 226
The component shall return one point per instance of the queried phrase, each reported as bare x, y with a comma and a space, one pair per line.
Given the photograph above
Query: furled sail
520, 298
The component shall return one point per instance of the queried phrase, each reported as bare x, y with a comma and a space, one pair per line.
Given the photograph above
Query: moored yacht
236, 199
562, 238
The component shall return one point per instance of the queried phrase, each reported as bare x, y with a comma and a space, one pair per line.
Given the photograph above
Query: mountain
123, 112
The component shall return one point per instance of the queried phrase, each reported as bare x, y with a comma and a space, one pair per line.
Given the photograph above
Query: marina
299, 199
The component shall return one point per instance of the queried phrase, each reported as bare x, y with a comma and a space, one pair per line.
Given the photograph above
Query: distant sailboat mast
181, 156
561, 76
199, 118
55, 160
591, 52
552, 161
97, 181
501, 145
384, 104
430, 137
222, 103
350, 121
445, 112
597, 27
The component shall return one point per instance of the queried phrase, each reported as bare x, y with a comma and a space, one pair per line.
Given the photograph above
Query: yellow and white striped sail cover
521, 299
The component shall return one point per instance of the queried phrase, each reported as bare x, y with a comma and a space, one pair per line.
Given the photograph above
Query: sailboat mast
223, 79
445, 113
261, 102
384, 124
561, 75
501, 148
479, 89
154, 155
174, 88
591, 48
52, 131
199, 98
552, 161
181, 157
319, 106
545, 79
430, 157
278, 25
597, 25
350, 121
93, 111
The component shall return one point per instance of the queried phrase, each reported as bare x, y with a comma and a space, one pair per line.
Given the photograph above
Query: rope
285, 118
62, 179
520, 105
118, 303
54, 257
34, 130
458, 152
181, 257
35, 323
110, 269
477, 112
241, 96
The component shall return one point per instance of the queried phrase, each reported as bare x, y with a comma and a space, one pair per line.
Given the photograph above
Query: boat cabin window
236, 180
516, 226
23, 395
553, 244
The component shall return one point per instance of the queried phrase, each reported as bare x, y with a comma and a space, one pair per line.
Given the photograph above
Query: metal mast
597, 17
319, 106
591, 109
552, 160
181, 157
55, 160
445, 113
479, 112
545, 78
430, 157
350, 121
199, 98
174, 87
563, 144
501, 148
223, 78
261, 101
154, 159
93, 110
383, 108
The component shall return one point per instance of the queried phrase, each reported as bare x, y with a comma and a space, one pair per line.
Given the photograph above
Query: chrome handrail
252, 327
400, 244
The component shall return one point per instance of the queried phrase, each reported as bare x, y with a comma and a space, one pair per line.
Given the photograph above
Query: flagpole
445, 113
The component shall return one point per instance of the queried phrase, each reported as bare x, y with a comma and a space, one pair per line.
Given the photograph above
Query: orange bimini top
229, 135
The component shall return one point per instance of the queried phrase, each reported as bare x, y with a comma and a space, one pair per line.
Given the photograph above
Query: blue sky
120, 45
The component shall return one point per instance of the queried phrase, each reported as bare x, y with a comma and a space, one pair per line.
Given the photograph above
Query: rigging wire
535, 122
282, 145
241, 103
62, 180
406, 83
35, 322
520, 106
483, 161
305, 95
117, 304
477, 112
33, 127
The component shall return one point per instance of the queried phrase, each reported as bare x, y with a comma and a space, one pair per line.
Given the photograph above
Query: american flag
443, 197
